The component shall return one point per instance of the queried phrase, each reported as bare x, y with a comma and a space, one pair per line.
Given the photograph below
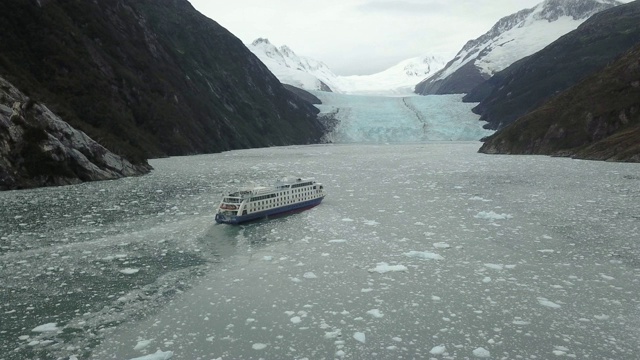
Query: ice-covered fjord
420, 251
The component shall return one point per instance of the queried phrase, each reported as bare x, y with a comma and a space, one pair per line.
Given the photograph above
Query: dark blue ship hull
234, 220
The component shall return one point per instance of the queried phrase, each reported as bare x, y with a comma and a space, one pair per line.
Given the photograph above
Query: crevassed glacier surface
401, 119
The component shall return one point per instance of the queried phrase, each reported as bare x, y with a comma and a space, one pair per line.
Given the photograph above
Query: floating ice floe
438, 350
491, 215
478, 198
309, 275
142, 344
375, 313
383, 267
494, 266
360, 337
441, 245
158, 355
338, 241
548, 303
424, 255
50, 327
129, 271
258, 346
333, 334
481, 353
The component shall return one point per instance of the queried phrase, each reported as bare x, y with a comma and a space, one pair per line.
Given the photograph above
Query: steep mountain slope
597, 119
310, 74
528, 83
37, 148
148, 78
510, 39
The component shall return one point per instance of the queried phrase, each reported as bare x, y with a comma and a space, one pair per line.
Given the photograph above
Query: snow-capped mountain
510, 39
310, 74
289, 68
398, 79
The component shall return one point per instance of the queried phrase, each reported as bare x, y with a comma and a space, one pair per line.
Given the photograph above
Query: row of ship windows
270, 196
265, 205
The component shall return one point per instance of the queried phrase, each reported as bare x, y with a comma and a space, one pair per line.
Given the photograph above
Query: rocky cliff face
148, 78
509, 40
528, 83
597, 119
37, 148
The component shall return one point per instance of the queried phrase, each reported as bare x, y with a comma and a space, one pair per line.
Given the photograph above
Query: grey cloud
404, 7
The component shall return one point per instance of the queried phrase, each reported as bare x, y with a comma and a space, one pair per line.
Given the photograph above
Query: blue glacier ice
406, 119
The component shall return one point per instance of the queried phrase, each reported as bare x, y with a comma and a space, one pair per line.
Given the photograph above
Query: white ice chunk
360, 337
478, 198
50, 327
427, 255
494, 266
375, 313
548, 303
142, 344
332, 334
158, 355
309, 275
383, 267
481, 353
129, 271
438, 350
441, 245
258, 346
491, 215
295, 319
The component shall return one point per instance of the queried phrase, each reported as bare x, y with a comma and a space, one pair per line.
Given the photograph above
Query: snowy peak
512, 38
289, 68
310, 74
399, 79
552, 10
421, 66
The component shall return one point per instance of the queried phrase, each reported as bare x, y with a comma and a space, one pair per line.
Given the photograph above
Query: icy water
424, 251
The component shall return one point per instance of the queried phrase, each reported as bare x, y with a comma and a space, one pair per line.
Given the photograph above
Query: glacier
400, 119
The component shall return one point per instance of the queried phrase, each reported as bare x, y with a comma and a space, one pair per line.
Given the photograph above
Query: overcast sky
356, 37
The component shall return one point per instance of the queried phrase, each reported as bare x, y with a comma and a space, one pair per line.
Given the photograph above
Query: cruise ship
285, 195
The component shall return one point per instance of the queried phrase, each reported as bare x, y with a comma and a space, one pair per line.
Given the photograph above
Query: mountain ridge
149, 78
597, 119
528, 83
512, 38
310, 74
